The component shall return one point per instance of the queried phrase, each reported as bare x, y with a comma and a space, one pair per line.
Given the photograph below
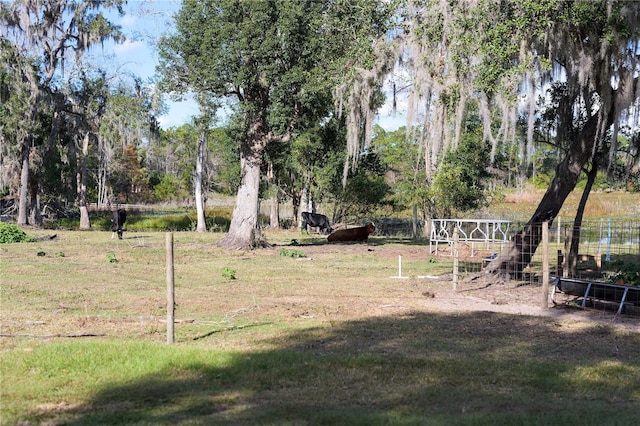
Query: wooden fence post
170, 290
545, 264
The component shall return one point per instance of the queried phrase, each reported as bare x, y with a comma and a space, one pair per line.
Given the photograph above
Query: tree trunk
103, 185
35, 212
295, 203
304, 204
23, 193
577, 222
201, 225
274, 216
85, 223
244, 230
518, 253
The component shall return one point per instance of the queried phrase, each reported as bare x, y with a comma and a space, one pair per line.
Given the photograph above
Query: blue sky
143, 24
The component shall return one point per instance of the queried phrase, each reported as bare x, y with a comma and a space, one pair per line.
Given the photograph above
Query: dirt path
525, 301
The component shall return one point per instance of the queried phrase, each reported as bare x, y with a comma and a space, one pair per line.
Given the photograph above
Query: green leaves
10, 233
279, 56
292, 253
458, 185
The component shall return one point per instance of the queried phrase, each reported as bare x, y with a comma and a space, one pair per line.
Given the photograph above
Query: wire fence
602, 270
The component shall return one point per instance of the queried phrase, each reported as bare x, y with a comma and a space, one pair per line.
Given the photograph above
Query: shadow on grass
319, 239
222, 330
421, 368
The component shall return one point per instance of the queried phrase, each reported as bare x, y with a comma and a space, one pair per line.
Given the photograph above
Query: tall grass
520, 206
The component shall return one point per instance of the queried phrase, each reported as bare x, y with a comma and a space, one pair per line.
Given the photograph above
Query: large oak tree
490, 53
275, 61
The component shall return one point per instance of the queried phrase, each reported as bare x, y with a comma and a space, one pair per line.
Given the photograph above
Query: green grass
427, 369
141, 221
325, 339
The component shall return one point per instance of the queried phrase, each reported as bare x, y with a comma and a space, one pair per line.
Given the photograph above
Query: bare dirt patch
511, 298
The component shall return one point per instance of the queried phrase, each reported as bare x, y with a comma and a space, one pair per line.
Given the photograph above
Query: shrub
624, 273
229, 273
10, 233
291, 253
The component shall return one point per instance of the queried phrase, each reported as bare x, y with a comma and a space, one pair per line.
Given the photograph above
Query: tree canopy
276, 63
546, 90
44, 40
500, 56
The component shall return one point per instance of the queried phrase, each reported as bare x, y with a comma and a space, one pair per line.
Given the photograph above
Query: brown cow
360, 234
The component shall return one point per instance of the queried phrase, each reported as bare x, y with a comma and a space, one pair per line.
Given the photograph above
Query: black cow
117, 222
316, 220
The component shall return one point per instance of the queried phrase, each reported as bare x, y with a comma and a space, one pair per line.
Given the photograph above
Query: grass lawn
328, 338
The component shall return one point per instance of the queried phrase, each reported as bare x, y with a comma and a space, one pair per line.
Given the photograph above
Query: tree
365, 192
88, 98
304, 170
402, 154
273, 60
125, 127
14, 108
491, 52
460, 182
47, 32
600, 34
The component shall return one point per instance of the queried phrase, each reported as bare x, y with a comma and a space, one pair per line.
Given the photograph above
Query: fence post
600, 244
170, 290
415, 222
565, 257
455, 257
545, 264
608, 255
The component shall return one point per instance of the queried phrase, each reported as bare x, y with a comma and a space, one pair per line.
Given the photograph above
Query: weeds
228, 273
291, 253
623, 273
10, 233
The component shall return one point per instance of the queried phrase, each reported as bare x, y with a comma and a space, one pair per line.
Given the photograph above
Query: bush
229, 273
291, 253
13, 234
623, 273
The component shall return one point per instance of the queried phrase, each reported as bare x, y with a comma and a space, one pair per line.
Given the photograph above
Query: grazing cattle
360, 234
316, 220
117, 222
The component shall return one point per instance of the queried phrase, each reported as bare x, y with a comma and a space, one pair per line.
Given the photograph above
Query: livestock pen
604, 251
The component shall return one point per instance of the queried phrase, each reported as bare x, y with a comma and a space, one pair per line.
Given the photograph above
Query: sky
143, 24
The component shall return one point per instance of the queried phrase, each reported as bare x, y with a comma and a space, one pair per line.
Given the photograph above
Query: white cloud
129, 21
